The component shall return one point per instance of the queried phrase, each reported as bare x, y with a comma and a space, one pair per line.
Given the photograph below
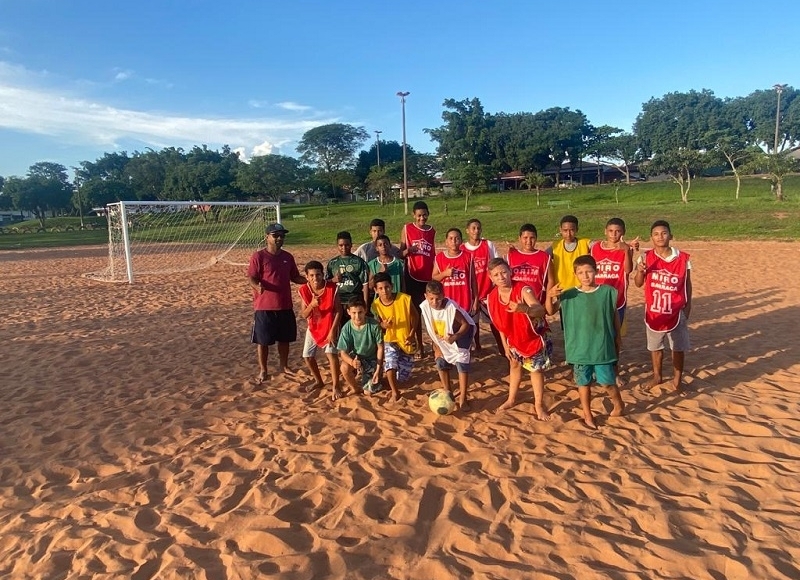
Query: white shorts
677, 339
310, 347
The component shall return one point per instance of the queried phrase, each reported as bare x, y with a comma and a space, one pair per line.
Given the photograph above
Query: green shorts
601, 374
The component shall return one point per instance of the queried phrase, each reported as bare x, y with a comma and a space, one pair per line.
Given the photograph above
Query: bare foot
589, 423
505, 406
678, 385
313, 387
262, 376
465, 406
617, 411
287, 371
621, 382
543, 415
395, 397
657, 380
337, 394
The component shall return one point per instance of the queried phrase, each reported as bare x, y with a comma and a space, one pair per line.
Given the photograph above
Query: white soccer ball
441, 402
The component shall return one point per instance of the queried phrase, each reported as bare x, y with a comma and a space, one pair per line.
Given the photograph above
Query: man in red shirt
271, 273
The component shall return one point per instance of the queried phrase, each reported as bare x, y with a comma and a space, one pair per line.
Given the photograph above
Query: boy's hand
331, 338
634, 244
520, 306
259, 289
386, 323
450, 338
337, 278
449, 272
376, 376
641, 267
554, 291
314, 302
356, 363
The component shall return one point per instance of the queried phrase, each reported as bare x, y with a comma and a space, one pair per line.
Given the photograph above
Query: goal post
163, 237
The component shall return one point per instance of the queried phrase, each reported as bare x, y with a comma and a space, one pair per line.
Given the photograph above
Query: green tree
675, 130
597, 145
681, 165
204, 175
46, 188
147, 172
518, 143
391, 152
623, 151
469, 177
465, 135
331, 149
758, 112
564, 133
777, 166
269, 175
535, 180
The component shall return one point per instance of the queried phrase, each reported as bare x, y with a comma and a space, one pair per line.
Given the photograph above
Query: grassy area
712, 213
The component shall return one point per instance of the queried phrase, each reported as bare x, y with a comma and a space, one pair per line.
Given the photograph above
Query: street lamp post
403, 95
378, 152
779, 90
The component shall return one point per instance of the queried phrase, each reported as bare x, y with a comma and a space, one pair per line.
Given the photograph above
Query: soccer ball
441, 402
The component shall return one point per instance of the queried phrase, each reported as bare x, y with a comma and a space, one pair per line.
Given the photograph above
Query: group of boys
367, 309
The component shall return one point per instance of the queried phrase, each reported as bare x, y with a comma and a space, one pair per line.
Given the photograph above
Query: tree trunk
778, 190
537, 197
738, 182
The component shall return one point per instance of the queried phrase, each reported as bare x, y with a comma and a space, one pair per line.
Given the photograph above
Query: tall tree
204, 175
675, 130
465, 135
331, 149
623, 151
597, 145
564, 133
269, 175
391, 151
759, 112
46, 188
777, 166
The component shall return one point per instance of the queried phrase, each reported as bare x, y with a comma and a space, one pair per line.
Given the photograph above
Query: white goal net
181, 236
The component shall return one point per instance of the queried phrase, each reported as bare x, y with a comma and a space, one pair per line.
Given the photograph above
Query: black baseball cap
276, 229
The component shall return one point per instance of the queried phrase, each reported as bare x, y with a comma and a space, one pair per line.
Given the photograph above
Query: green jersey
362, 342
353, 274
589, 330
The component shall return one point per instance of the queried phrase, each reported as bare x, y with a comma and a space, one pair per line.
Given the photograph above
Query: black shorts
416, 290
271, 326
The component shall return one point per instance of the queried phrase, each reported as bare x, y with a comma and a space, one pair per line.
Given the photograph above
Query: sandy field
135, 444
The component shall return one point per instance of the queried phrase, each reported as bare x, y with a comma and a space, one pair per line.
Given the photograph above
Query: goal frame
126, 238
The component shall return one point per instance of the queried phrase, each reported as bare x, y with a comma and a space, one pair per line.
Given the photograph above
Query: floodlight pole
403, 95
779, 90
378, 152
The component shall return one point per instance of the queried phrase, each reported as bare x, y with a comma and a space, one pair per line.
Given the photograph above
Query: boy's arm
307, 308
641, 268
534, 309
553, 299
413, 319
438, 275
473, 282
688, 308
463, 327
337, 320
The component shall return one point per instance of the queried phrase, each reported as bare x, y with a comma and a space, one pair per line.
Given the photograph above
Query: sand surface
134, 444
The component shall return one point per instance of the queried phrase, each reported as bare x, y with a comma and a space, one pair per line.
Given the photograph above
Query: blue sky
82, 77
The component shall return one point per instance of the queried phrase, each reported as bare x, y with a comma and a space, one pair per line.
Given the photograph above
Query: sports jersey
665, 289
362, 342
481, 255
611, 270
517, 327
353, 272
563, 260
530, 269
394, 268
419, 264
439, 324
589, 329
457, 286
399, 312
320, 321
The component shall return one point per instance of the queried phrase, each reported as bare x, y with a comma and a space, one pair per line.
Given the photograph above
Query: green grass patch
712, 213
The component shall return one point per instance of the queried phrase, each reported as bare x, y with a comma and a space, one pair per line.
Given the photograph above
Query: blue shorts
396, 359
271, 326
585, 375
443, 365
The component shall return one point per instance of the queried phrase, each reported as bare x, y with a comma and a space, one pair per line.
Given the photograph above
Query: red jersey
419, 264
611, 270
458, 286
664, 290
321, 320
481, 256
530, 268
516, 326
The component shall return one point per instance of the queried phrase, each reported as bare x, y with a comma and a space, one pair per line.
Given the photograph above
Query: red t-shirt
419, 264
611, 270
457, 287
531, 269
275, 271
516, 326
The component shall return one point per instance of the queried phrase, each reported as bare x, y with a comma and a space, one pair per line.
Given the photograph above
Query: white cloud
265, 148
27, 106
256, 104
290, 106
122, 75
